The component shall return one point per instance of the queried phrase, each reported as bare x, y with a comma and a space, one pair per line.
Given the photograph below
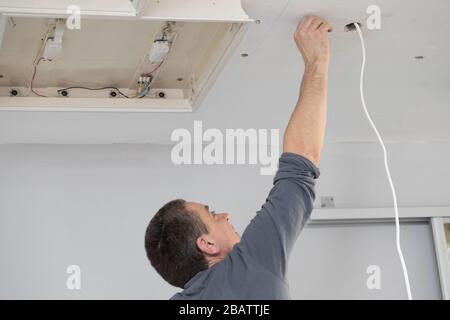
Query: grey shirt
256, 267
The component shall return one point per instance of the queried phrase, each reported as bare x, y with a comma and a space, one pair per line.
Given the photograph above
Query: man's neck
213, 260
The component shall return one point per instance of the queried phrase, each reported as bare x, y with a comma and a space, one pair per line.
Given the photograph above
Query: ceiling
408, 98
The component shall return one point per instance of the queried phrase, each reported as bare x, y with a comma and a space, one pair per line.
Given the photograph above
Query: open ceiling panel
159, 57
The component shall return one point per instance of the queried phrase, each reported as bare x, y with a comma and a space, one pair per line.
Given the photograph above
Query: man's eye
213, 212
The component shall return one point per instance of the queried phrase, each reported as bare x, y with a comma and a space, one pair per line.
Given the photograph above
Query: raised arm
306, 128
270, 236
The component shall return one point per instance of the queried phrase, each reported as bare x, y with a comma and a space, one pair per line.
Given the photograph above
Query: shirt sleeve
271, 234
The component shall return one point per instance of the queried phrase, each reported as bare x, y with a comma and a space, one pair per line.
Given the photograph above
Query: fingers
306, 21
325, 27
314, 23
303, 24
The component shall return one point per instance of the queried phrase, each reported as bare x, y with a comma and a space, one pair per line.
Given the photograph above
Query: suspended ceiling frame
212, 12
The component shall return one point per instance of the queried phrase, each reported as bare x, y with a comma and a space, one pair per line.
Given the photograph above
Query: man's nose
226, 216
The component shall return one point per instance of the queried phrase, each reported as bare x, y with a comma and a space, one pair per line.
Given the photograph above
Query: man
199, 251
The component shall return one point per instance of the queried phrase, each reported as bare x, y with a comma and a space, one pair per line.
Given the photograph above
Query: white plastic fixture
119, 43
159, 51
53, 45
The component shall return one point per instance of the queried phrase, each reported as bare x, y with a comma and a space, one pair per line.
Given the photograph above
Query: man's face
221, 231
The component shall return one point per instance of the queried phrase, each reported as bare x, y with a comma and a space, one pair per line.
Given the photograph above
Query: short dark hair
171, 243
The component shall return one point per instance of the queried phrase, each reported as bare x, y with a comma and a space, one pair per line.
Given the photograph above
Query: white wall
89, 205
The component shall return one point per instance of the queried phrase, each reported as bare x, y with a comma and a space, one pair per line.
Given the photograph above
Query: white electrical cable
397, 222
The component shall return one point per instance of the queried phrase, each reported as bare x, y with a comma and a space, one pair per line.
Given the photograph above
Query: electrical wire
172, 42
95, 89
32, 79
145, 91
150, 73
397, 222
38, 59
142, 62
141, 93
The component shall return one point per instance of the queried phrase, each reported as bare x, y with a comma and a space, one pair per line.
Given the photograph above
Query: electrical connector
53, 46
160, 49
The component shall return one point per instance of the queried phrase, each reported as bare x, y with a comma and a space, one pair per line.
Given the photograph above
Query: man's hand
311, 37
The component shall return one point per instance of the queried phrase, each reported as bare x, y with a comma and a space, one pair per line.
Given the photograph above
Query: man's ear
207, 245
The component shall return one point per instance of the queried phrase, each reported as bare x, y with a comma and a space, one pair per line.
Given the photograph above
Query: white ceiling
408, 98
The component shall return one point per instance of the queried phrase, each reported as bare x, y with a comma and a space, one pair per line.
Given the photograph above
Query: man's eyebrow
207, 207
